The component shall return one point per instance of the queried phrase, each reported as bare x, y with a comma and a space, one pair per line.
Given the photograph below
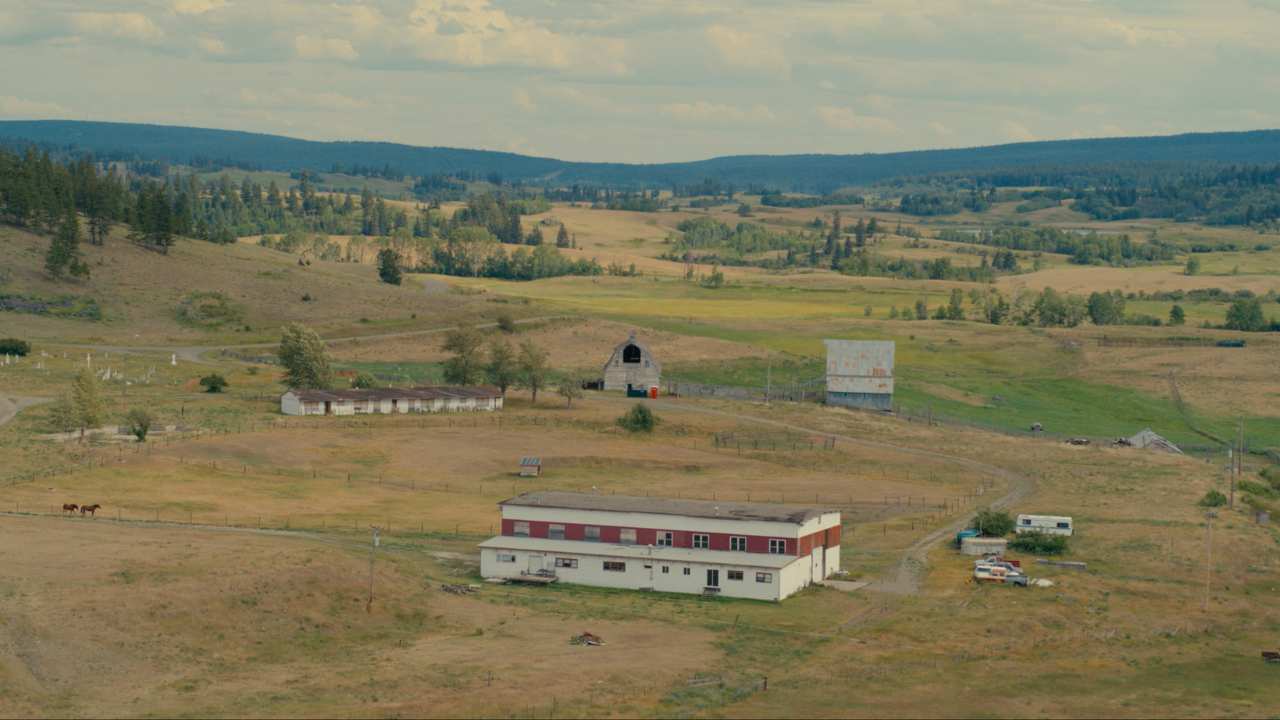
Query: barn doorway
328, 407
631, 354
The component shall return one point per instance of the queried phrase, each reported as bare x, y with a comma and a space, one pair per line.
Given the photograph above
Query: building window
612, 566
666, 569
555, 532
591, 533
664, 539
737, 543
777, 546
506, 557
520, 529
735, 574
567, 562
627, 536
1064, 525
764, 577
701, 542
686, 571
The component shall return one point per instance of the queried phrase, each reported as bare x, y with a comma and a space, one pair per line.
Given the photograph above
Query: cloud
524, 100
310, 47
940, 130
748, 51
211, 45
197, 7
16, 107
1016, 132
703, 110
475, 34
842, 118
121, 25
293, 98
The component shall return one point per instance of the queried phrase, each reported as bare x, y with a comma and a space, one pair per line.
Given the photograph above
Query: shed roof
769, 512
530, 460
1148, 438
417, 393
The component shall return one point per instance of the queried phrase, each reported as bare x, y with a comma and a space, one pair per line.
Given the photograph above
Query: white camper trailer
1047, 524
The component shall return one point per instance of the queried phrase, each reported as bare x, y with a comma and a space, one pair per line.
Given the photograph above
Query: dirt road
11, 405
903, 578
195, 353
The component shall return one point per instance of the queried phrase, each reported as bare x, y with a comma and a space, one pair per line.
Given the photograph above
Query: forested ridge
818, 173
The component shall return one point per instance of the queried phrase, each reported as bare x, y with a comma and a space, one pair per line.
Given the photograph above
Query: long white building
390, 400
750, 550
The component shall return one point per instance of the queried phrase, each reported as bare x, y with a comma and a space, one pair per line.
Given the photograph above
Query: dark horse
70, 507
91, 509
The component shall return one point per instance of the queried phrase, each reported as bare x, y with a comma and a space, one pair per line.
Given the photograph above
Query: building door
817, 575
535, 563
713, 578
328, 408
395, 406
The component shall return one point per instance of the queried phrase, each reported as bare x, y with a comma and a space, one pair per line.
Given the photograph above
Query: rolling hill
180, 145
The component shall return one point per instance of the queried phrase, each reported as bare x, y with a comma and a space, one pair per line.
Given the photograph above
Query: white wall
290, 405
590, 571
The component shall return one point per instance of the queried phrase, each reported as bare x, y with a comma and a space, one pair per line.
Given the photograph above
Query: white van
1047, 524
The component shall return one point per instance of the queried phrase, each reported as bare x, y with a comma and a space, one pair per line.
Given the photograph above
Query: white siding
637, 576
290, 405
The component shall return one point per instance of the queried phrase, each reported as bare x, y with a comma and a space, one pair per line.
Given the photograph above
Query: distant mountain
180, 145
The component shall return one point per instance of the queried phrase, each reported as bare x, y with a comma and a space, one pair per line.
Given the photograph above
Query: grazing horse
89, 509
70, 507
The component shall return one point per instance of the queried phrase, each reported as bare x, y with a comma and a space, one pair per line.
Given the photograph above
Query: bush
364, 381
213, 383
506, 323
993, 523
209, 310
1040, 543
638, 419
14, 346
139, 423
1259, 489
1213, 498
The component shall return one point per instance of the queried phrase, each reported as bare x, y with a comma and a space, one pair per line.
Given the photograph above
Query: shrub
213, 383
14, 346
1213, 498
993, 523
1040, 543
363, 381
638, 419
506, 323
139, 423
209, 310
1259, 489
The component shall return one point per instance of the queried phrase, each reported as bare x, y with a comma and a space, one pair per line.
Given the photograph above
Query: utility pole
373, 551
1208, 565
768, 381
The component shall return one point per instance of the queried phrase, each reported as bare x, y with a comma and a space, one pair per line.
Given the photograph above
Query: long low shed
391, 400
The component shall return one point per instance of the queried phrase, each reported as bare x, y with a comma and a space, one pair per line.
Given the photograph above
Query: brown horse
70, 507
90, 509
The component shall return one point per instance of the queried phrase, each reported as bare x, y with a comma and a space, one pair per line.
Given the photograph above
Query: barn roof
631, 340
770, 512
433, 392
1147, 438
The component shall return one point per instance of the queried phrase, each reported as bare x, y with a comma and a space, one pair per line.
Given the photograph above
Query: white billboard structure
860, 373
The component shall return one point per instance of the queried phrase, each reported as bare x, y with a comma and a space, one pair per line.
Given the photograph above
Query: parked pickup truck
999, 573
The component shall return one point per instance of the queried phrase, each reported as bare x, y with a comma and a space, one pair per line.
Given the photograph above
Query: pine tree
562, 238
389, 266
64, 250
86, 401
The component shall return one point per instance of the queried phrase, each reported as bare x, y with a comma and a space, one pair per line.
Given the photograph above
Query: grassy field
228, 573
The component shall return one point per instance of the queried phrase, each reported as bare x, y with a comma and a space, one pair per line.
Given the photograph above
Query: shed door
713, 578
535, 563
815, 560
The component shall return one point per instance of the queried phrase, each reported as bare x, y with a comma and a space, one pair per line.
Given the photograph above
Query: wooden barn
632, 368
439, 398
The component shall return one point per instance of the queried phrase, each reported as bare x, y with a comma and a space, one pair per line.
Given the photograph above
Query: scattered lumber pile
586, 638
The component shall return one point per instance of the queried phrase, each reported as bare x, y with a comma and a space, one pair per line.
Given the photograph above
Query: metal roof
530, 461
417, 393
768, 512
643, 552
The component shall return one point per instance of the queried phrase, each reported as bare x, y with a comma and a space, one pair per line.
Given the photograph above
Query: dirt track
11, 406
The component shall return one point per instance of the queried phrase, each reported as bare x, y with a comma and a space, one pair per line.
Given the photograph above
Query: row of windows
619, 566
627, 536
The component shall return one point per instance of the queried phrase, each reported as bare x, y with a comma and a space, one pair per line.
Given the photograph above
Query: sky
650, 80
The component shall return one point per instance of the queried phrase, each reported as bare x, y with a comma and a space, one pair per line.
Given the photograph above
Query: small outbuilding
632, 368
391, 401
860, 373
1147, 439
530, 466
983, 546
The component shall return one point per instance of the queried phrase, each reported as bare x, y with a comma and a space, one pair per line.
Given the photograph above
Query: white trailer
1047, 524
